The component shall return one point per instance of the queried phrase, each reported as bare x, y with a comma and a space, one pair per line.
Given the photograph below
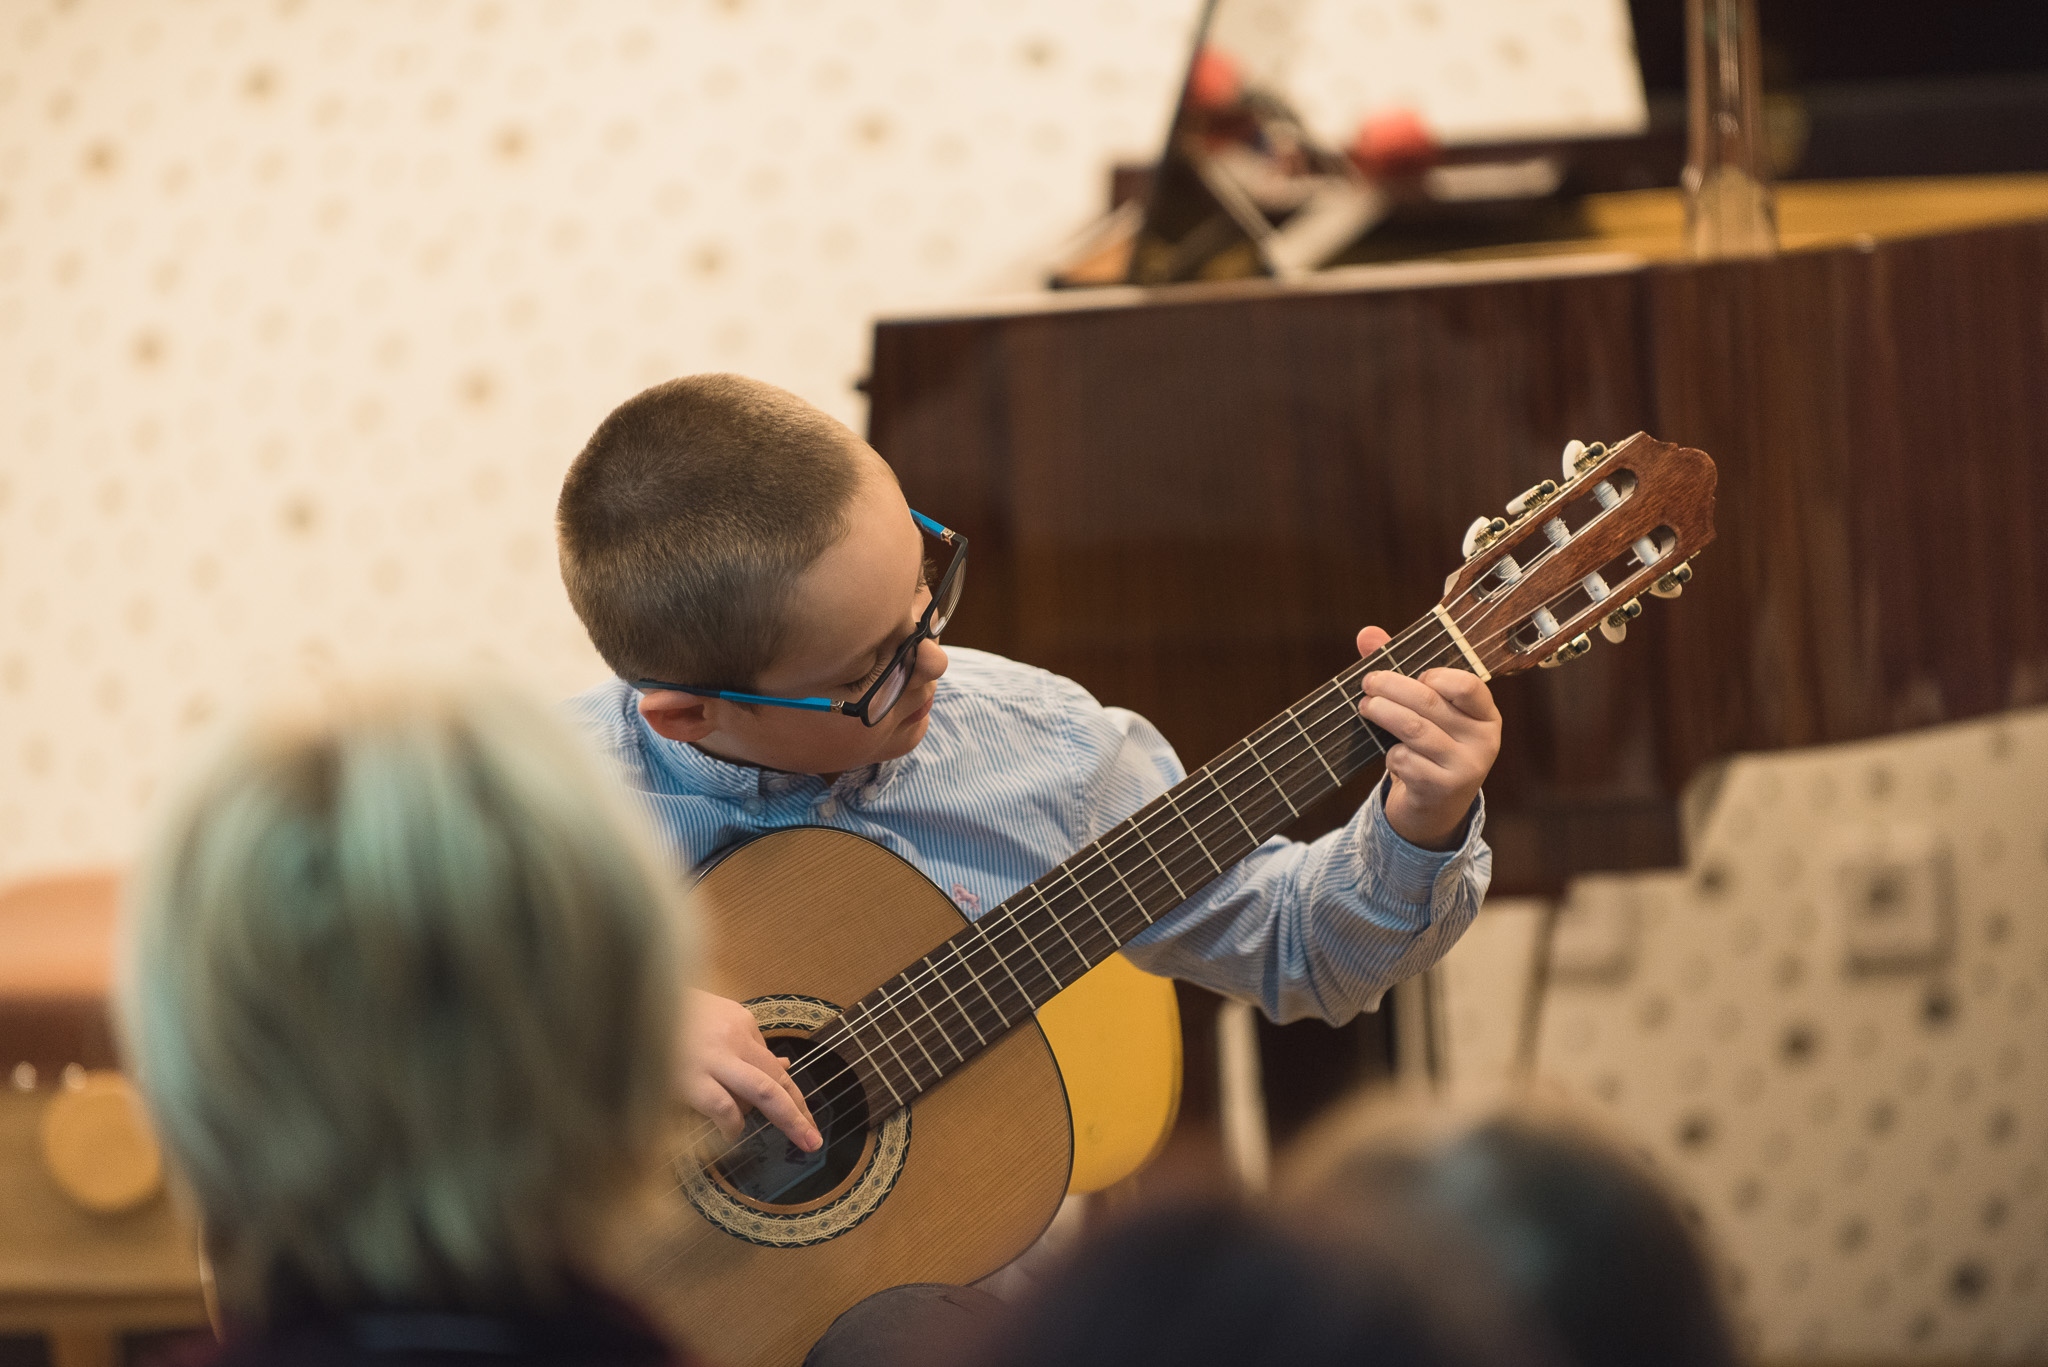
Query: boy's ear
677, 716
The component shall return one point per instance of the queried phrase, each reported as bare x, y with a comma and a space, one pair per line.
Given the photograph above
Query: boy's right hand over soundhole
727, 1069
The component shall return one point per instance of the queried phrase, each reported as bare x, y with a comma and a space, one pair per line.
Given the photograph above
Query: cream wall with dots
1828, 1030
305, 306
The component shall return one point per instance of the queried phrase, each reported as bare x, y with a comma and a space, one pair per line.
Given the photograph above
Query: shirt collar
691, 770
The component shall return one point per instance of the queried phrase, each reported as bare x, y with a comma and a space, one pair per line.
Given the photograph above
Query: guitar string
1035, 942
1339, 687
1072, 868
896, 999
989, 927
692, 1150
939, 966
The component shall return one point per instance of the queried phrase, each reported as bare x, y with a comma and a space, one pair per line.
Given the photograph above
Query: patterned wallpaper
1474, 72
306, 304
305, 307
1827, 1029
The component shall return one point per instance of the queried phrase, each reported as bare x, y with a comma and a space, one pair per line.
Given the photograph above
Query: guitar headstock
1578, 554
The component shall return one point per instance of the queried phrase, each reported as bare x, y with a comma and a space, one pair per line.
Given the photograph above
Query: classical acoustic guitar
949, 1141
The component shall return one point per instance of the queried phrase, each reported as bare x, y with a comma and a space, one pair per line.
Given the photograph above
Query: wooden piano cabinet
1190, 499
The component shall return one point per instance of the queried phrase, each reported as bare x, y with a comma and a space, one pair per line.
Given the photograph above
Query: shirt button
828, 809
753, 806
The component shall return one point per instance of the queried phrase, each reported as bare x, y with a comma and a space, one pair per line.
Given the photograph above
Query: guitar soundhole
766, 1167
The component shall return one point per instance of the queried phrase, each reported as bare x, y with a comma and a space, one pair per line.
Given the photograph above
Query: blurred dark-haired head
1216, 1284
1564, 1218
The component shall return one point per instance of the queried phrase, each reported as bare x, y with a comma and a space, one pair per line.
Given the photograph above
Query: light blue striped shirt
1019, 769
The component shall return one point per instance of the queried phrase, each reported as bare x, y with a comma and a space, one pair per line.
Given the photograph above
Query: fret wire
910, 1082
1339, 721
1174, 807
1222, 792
1346, 724
1004, 964
1087, 959
1301, 769
964, 989
1312, 747
1347, 720
961, 1010
1114, 892
1032, 945
1309, 742
1159, 887
1256, 808
866, 1057
893, 997
932, 1015
1164, 870
1061, 924
1136, 900
1138, 829
960, 957
1216, 769
1158, 859
964, 981
1228, 820
1102, 859
880, 1071
1107, 929
1260, 760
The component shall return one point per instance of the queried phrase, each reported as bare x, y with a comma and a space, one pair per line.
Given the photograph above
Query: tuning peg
1673, 584
1535, 496
1569, 651
1616, 625
1482, 533
1579, 456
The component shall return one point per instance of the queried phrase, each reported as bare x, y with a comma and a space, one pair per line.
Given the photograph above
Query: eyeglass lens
900, 671
943, 613
891, 689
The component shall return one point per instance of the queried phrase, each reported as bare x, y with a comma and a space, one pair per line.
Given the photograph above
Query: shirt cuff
1405, 873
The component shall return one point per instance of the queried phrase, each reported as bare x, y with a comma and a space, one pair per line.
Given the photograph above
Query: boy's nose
931, 661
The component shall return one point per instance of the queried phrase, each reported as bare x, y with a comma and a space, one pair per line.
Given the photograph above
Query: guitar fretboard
941, 1011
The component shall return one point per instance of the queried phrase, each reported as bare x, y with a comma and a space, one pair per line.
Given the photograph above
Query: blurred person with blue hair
400, 986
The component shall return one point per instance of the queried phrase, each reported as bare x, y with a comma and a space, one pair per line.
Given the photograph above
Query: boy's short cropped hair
687, 519
400, 984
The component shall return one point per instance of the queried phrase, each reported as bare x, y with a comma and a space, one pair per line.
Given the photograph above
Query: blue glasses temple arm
943, 533
807, 704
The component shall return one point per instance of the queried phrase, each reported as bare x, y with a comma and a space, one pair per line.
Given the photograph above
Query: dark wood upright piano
1190, 498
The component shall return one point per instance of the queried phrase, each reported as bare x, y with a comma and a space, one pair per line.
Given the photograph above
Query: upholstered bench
92, 1248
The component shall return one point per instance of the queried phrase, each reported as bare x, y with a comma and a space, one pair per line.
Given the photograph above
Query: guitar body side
820, 913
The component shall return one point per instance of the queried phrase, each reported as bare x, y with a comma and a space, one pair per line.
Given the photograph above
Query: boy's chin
917, 717
905, 735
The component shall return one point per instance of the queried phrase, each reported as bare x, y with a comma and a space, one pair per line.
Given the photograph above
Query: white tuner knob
1477, 534
1673, 584
1572, 451
1615, 625
1580, 456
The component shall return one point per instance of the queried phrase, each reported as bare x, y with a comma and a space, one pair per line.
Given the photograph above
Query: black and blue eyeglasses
881, 695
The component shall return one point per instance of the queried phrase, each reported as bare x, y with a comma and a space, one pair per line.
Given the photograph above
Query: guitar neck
944, 1009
